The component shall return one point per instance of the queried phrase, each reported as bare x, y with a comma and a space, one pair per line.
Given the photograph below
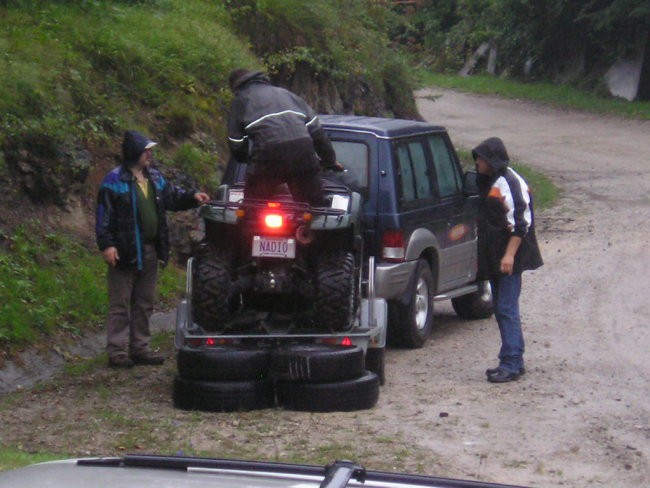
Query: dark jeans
294, 163
131, 295
505, 294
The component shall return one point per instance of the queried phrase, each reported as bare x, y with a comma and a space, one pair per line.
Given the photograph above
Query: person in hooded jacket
280, 136
132, 234
507, 246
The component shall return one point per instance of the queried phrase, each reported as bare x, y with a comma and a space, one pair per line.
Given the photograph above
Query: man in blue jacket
507, 246
133, 235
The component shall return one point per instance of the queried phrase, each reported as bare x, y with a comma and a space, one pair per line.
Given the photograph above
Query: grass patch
44, 281
11, 458
51, 284
82, 72
562, 96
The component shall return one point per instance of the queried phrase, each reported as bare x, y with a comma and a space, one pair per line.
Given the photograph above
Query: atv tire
211, 289
342, 396
317, 363
335, 298
223, 396
223, 363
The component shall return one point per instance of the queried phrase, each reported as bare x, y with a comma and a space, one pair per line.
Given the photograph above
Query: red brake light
273, 221
393, 246
346, 341
210, 342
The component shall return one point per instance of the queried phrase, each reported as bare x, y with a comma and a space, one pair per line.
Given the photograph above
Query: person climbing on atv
280, 137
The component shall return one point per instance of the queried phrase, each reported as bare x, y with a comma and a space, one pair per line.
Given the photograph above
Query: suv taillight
392, 244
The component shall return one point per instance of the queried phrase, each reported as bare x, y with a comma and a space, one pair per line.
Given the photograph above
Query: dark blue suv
419, 218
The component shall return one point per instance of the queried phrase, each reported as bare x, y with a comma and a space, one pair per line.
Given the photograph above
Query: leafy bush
192, 160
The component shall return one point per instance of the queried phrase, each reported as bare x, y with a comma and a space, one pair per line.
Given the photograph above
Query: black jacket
117, 218
262, 114
505, 210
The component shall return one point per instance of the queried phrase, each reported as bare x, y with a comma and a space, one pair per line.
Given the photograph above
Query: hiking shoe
503, 376
147, 358
120, 362
491, 371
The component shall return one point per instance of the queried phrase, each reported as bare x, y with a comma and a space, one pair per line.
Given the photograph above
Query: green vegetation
556, 95
76, 73
15, 458
542, 40
43, 284
50, 284
81, 72
335, 41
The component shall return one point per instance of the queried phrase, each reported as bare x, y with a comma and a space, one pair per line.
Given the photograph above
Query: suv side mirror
470, 185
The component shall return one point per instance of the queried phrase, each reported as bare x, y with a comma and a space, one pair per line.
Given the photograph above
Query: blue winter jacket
118, 220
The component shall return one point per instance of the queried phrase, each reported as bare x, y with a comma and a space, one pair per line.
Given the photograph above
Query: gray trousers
131, 295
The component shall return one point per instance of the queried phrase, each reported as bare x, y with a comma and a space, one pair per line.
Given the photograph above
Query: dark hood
249, 76
133, 145
494, 152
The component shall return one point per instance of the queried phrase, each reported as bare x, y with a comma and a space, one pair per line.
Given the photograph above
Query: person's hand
201, 197
507, 264
111, 256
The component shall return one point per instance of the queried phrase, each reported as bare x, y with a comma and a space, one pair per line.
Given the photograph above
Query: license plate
274, 247
235, 196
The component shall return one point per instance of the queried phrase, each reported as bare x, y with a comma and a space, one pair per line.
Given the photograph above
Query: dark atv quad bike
278, 264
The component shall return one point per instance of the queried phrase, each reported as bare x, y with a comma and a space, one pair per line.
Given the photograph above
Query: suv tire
410, 323
210, 289
335, 298
477, 305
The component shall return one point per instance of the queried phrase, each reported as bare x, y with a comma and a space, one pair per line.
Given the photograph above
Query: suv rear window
354, 157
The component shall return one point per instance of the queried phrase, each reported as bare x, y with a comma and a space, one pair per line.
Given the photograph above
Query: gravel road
581, 416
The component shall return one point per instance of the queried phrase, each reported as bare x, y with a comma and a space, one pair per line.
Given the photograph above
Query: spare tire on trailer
376, 362
335, 298
211, 289
341, 396
317, 362
223, 396
223, 363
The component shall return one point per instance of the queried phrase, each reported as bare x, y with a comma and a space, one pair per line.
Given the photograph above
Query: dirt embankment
581, 415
